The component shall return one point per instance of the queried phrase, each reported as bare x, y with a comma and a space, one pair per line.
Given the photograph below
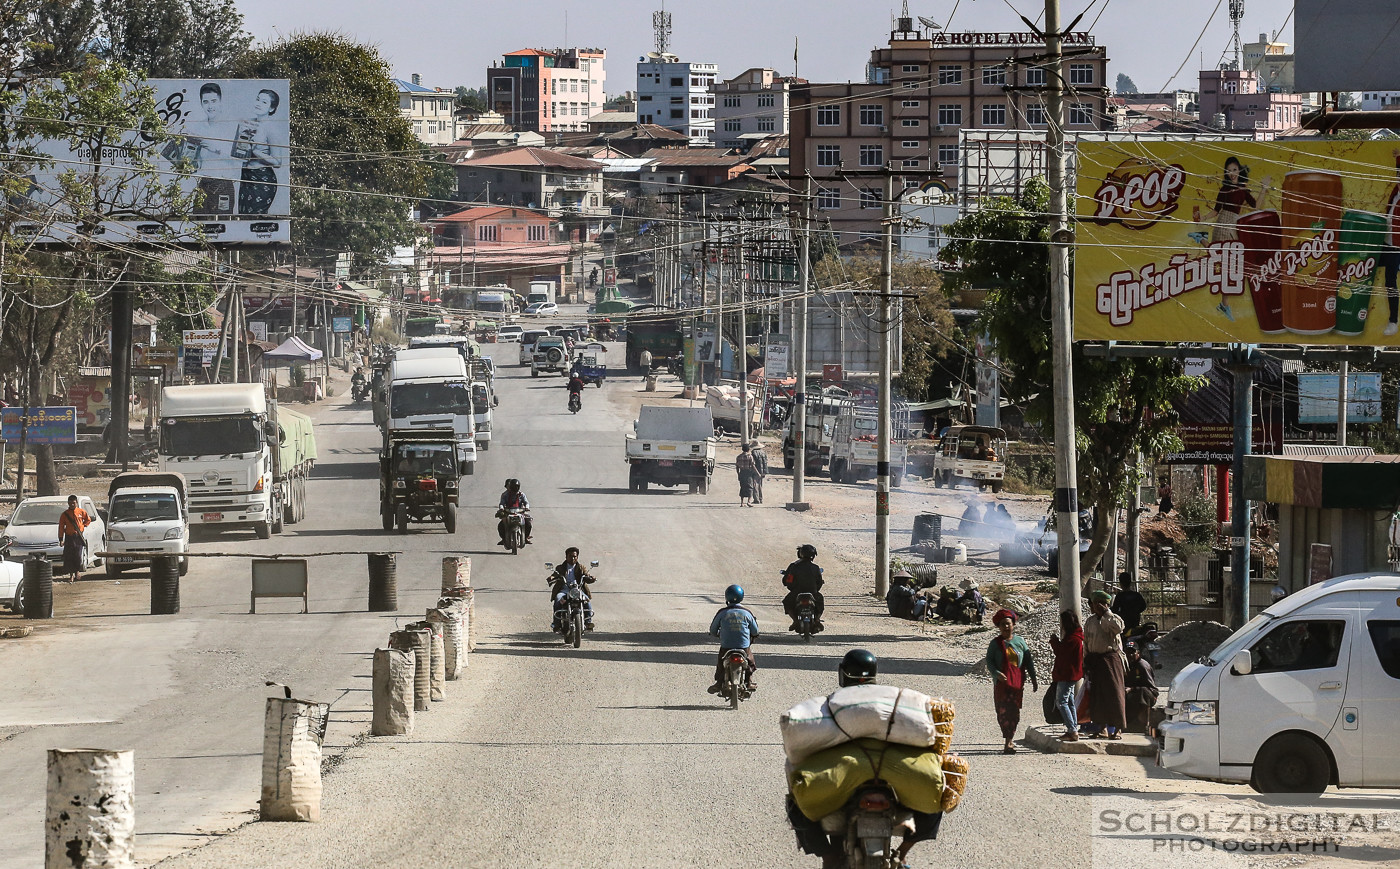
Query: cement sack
437, 670
393, 693
885, 712
456, 572
454, 650
825, 781
291, 767
90, 815
419, 643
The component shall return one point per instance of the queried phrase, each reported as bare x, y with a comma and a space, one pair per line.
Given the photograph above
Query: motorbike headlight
1198, 712
174, 534
112, 535
400, 484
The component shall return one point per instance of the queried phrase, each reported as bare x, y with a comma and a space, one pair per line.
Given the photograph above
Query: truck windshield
480, 401
210, 436
413, 399
144, 507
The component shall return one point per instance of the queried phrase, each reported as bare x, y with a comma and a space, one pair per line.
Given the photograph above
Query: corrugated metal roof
1325, 450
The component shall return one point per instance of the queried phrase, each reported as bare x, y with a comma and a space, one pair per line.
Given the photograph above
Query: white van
1305, 695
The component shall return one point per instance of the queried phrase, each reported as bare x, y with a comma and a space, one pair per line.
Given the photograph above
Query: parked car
12, 585
509, 333
33, 527
542, 309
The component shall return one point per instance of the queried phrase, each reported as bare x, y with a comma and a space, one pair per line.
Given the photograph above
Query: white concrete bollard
393, 693
291, 779
90, 818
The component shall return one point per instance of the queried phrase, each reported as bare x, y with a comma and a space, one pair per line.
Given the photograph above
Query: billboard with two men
1254, 242
227, 139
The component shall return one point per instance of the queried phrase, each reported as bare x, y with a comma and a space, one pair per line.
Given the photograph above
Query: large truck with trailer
246, 460
430, 390
855, 444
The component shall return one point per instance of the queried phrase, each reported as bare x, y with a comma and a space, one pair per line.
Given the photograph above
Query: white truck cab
1306, 694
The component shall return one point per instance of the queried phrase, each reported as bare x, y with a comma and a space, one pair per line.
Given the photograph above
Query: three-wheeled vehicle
590, 365
418, 480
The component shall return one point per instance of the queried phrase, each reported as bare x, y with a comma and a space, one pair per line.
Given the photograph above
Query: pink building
548, 91
1232, 100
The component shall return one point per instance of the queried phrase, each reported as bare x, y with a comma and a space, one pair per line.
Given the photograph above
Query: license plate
665, 463
122, 559
874, 828
212, 517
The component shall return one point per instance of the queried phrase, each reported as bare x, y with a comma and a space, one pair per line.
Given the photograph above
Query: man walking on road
748, 474
760, 460
71, 525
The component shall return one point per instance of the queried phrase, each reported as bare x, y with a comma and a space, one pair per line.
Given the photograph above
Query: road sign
46, 425
340, 324
162, 355
201, 339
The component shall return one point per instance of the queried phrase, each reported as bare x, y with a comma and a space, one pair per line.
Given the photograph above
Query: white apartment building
1379, 101
676, 95
755, 101
431, 111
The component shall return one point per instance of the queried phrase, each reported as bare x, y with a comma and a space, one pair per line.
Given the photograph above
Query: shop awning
294, 350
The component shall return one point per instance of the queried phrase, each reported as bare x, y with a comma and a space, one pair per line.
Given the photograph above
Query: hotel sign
939, 38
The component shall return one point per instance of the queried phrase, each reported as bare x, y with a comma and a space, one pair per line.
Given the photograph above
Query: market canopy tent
294, 350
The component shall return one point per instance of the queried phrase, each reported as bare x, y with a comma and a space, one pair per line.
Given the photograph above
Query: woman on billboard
1234, 195
261, 156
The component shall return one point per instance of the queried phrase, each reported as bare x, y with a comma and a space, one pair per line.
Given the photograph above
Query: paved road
611, 755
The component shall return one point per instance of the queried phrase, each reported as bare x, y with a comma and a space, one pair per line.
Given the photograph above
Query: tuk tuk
589, 364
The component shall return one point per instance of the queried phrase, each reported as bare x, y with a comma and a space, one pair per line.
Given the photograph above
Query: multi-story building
676, 95
1236, 100
548, 91
494, 225
1271, 61
755, 101
919, 93
560, 185
431, 111
1378, 101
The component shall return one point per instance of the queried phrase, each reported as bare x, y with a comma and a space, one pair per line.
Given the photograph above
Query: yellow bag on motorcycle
824, 782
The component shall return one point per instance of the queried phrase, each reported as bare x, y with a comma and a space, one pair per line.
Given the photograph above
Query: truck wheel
401, 518
534, 372
449, 518
277, 518
112, 570
263, 530
1291, 763
705, 486
483, 445
1052, 563
838, 471
788, 461
996, 487
386, 514
641, 485
184, 566
937, 480
694, 487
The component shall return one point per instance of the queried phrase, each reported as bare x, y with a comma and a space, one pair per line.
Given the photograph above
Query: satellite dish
930, 23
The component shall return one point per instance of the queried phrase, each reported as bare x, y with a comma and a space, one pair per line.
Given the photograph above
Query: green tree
160, 38
1122, 406
356, 170
929, 332
1124, 85
472, 100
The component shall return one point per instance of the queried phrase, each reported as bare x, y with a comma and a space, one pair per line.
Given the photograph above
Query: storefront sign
45, 425
942, 39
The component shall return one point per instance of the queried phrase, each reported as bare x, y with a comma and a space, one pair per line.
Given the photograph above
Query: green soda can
1363, 235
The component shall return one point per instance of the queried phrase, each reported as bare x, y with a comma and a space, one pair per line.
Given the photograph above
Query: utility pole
1236, 602
743, 355
1066, 466
1342, 403
882, 456
799, 358
1132, 544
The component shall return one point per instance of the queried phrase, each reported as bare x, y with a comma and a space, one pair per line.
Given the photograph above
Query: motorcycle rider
571, 568
511, 499
357, 383
576, 386
858, 667
736, 626
803, 576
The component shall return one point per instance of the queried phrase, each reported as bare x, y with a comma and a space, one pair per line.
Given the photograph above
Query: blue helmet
734, 595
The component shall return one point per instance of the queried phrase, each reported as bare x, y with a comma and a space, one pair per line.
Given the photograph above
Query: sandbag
291, 767
825, 781
392, 687
954, 780
864, 711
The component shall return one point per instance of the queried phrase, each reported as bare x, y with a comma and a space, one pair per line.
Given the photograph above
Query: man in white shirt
217, 170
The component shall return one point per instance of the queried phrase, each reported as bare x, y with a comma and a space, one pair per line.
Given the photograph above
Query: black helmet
806, 550
857, 668
512, 485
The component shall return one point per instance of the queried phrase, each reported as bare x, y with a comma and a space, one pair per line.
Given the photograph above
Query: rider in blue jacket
736, 628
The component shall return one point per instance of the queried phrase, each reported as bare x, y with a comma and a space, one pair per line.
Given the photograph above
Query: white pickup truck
146, 512
670, 446
973, 455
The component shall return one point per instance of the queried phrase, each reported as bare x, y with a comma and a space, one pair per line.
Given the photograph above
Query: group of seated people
996, 521
908, 598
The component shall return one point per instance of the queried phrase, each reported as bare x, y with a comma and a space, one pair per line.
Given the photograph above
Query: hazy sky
453, 43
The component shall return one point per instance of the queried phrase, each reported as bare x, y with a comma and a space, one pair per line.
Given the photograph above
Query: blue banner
46, 425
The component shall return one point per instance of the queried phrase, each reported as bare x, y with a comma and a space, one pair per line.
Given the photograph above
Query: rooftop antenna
661, 23
1236, 16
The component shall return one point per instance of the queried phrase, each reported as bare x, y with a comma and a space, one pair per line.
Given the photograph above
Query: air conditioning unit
936, 128
884, 129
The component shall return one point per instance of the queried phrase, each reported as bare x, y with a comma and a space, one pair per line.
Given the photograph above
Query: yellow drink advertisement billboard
1255, 242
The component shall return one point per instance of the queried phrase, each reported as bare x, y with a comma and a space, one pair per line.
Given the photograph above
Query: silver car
33, 527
